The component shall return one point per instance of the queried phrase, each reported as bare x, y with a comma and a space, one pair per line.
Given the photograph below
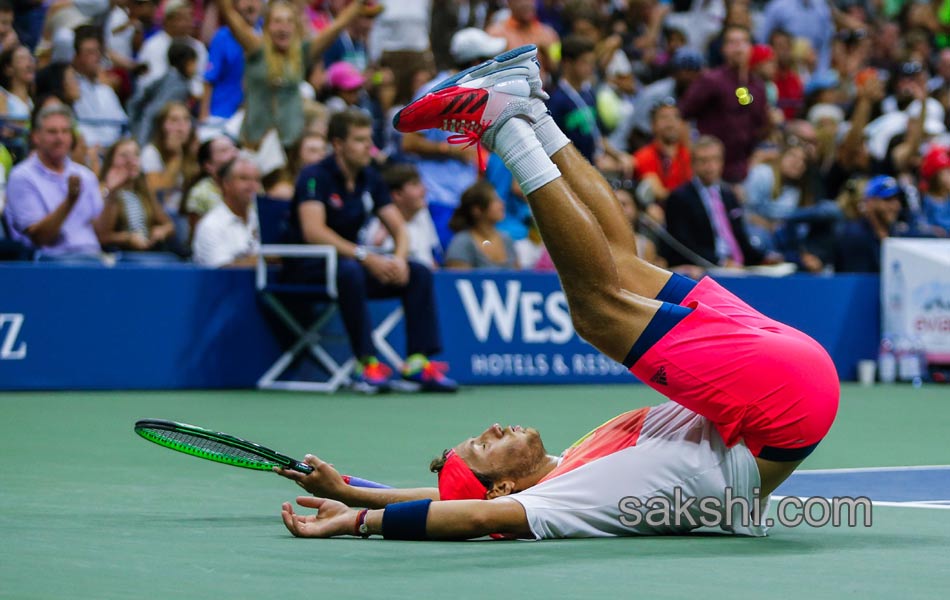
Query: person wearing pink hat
346, 86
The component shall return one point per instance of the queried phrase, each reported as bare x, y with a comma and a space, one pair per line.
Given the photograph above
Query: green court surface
90, 510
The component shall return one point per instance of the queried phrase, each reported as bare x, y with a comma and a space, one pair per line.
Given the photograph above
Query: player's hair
574, 46
398, 175
437, 463
479, 195
342, 122
6, 6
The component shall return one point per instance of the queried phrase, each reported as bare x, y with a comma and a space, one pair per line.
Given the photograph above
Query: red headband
458, 482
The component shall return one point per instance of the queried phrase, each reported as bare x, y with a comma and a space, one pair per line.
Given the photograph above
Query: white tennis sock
549, 134
523, 154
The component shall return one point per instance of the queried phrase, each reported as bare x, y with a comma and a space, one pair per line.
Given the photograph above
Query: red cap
458, 482
936, 159
760, 54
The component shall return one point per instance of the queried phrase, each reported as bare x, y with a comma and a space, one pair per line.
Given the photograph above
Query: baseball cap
344, 76
458, 482
936, 159
687, 59
173, 6
619, 65
473, 43
823, 80
882, 186
760, 53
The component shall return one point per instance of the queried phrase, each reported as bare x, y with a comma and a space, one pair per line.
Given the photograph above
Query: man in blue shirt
224, 78
333, 200
572, 102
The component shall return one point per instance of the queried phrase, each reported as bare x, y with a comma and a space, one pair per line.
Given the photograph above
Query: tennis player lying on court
751, 397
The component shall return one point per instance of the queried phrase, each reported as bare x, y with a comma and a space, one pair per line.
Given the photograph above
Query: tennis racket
226, 449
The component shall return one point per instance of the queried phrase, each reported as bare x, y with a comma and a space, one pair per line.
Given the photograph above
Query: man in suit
704, 214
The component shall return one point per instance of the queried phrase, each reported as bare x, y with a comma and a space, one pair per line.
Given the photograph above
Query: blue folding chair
273, 216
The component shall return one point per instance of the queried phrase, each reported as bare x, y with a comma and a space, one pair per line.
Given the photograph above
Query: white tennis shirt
624, 479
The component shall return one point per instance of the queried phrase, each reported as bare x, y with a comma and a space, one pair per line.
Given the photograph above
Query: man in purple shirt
53, 203
729, 103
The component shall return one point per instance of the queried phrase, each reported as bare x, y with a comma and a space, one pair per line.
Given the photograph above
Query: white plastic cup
867, 369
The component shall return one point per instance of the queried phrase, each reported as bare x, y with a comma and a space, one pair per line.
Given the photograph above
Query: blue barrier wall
135, 327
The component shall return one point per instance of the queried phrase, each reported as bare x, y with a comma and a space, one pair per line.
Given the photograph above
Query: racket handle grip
364, 483
302, 467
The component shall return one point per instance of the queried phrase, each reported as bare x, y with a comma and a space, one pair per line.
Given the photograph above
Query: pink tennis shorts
756, 379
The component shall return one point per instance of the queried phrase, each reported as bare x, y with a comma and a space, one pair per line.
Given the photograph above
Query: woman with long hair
17, 77
276, 64
477, 243
132, 218
171, 158
169, 161
774, 191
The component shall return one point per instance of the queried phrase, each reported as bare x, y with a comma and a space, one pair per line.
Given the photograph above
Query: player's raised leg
496, 108
587, 183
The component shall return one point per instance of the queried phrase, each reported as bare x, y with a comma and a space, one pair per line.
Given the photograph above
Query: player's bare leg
587, 183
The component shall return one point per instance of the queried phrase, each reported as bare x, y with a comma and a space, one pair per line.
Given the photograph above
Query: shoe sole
504, 57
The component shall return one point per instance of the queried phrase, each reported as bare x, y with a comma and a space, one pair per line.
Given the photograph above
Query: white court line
873, 469
917, 504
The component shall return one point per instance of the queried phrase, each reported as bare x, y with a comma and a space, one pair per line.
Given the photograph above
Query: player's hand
333, 518
324, 480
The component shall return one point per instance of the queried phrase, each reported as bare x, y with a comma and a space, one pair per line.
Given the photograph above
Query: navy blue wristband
406, 520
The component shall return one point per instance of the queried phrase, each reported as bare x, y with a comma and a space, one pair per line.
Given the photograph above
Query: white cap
472, 43
619, 65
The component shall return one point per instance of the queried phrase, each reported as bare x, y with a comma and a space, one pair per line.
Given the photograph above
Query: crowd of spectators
736, 132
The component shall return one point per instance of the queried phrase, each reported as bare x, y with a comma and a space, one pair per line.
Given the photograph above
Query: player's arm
325, 481
455, 520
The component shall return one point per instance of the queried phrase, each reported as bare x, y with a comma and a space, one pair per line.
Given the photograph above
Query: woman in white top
171, 158
17, 74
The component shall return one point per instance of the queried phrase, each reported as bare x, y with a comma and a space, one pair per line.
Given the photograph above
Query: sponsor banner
915, 294
180, 326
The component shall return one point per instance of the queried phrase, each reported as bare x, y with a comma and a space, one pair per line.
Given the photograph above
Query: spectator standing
224, 78
275, 66
730, 104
